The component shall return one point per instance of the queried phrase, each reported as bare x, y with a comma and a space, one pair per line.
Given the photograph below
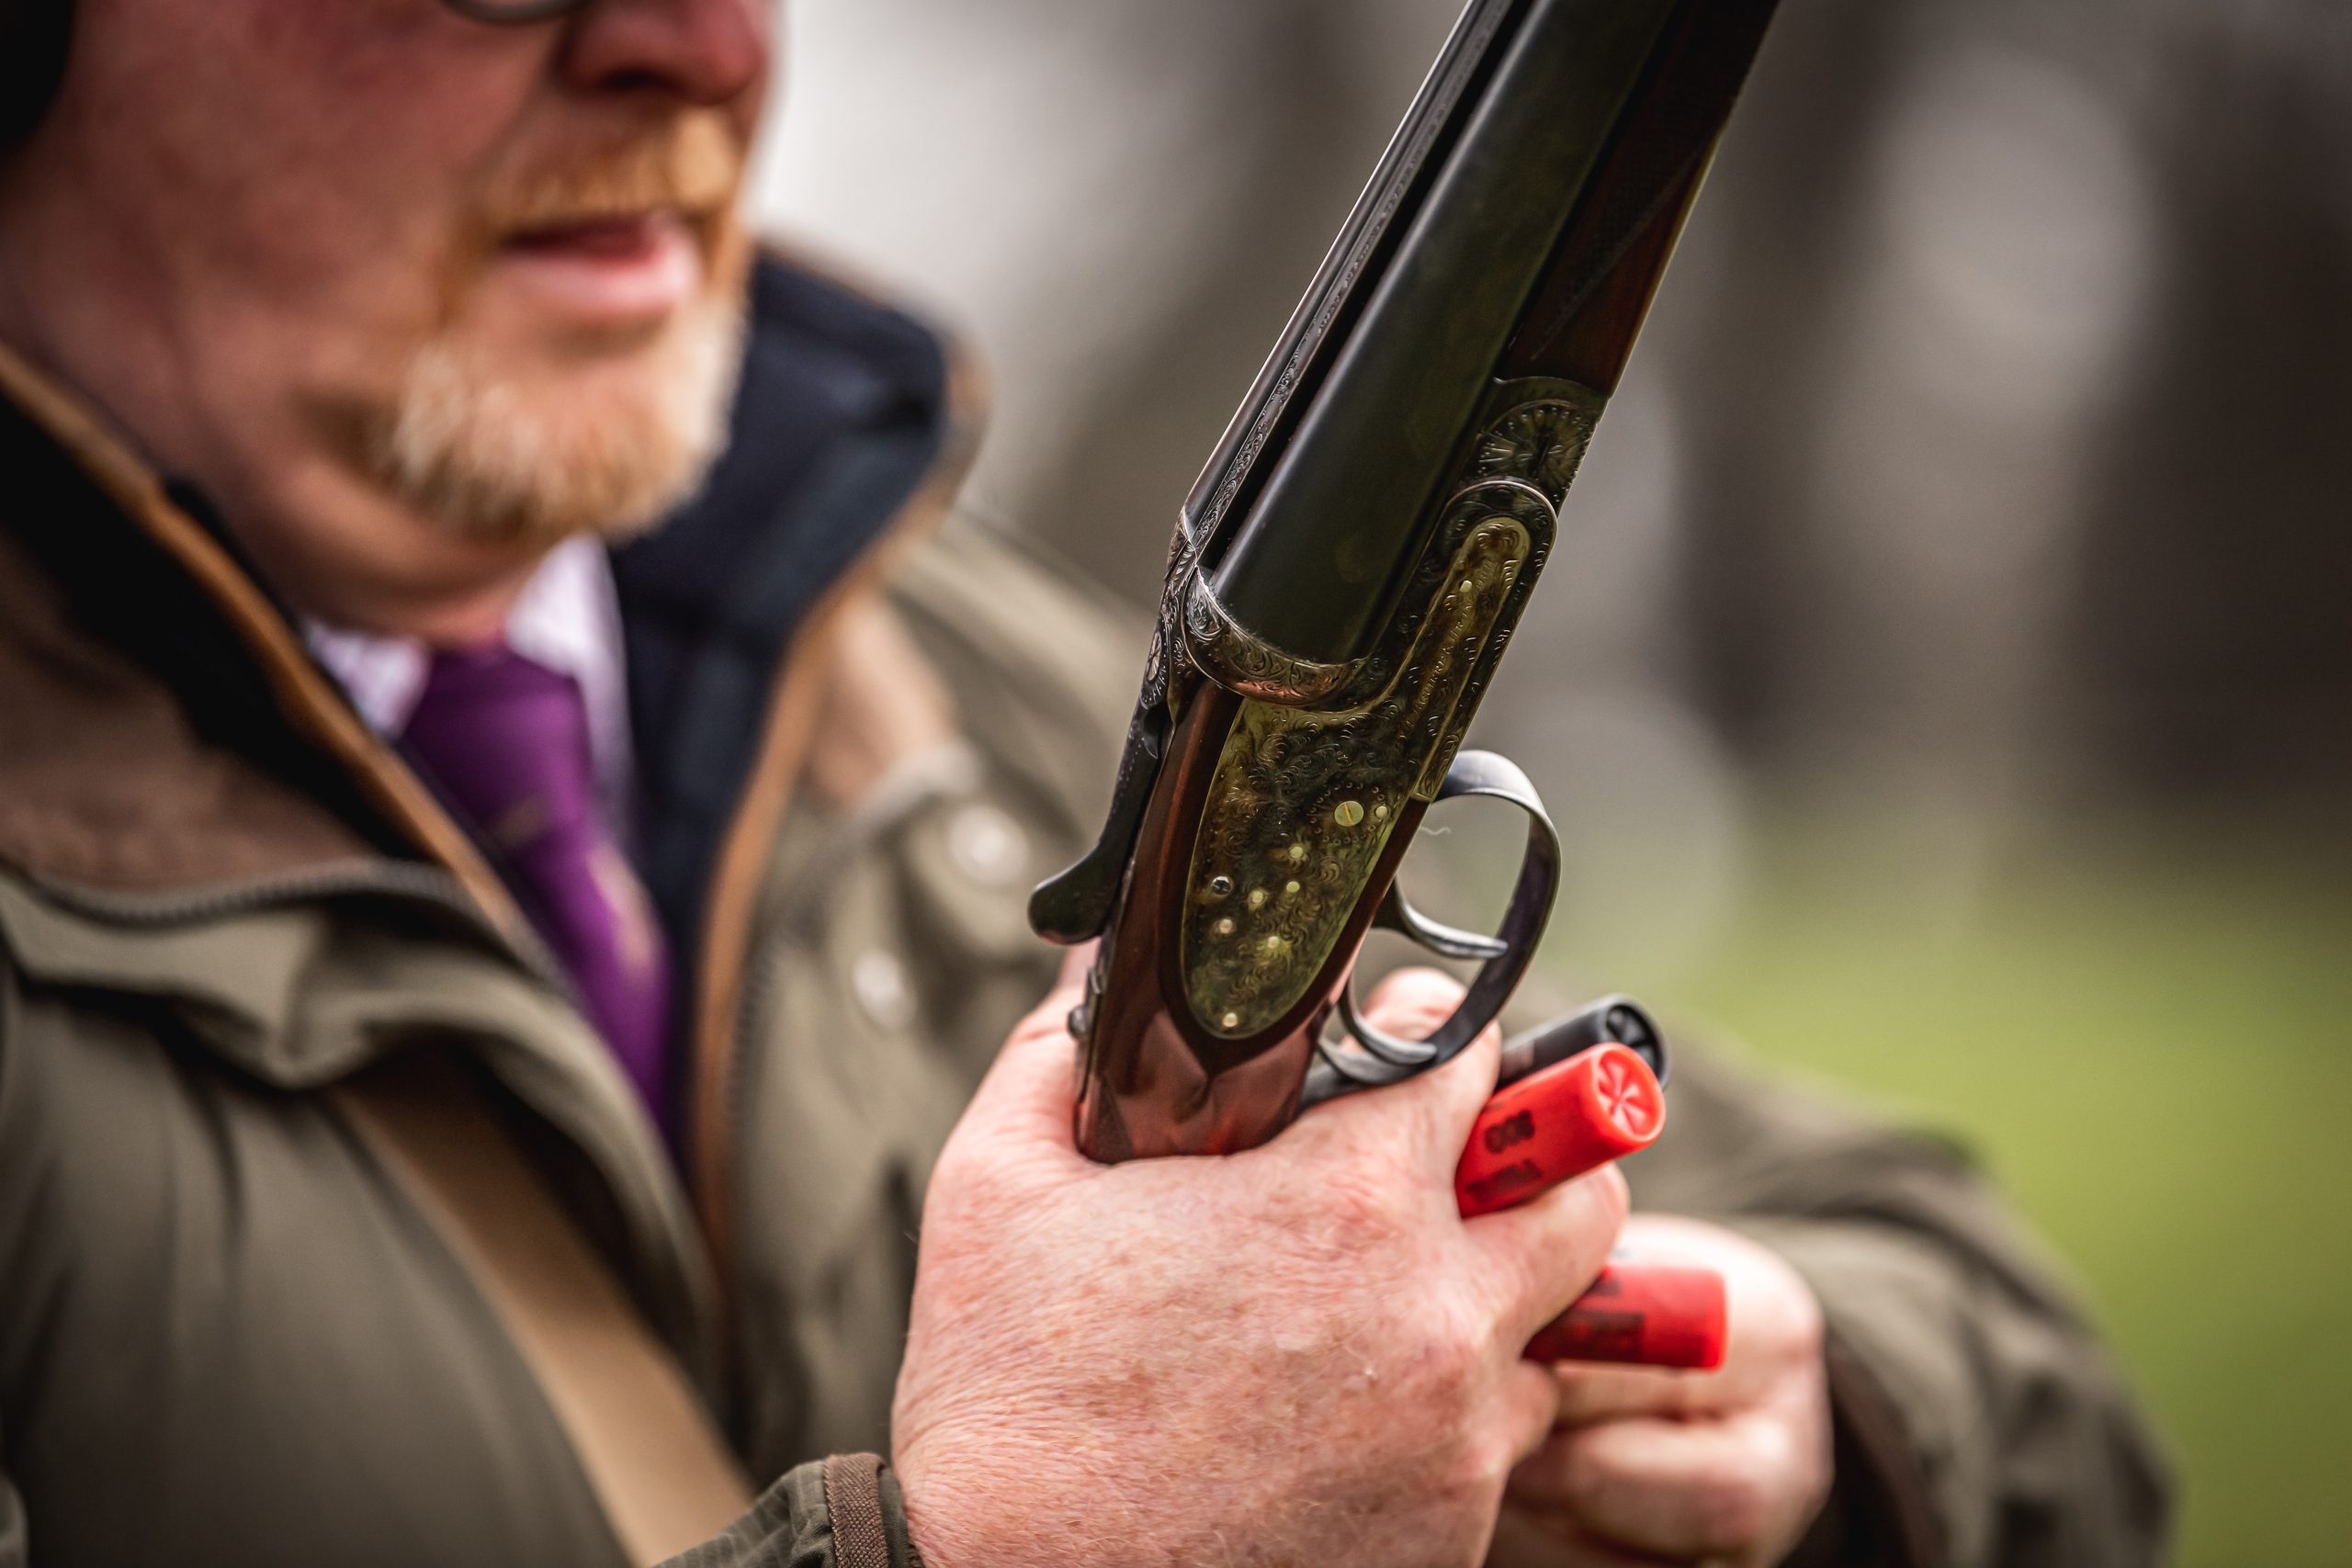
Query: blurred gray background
1945, 681
1983, 454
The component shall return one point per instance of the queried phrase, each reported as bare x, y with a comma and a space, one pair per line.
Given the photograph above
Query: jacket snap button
987, 845
880, 982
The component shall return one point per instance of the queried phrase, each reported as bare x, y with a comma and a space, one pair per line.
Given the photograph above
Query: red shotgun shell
1554, 1125
1650, 1313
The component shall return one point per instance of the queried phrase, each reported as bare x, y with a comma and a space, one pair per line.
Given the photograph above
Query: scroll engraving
1304, 799
1241, 661
1323, 759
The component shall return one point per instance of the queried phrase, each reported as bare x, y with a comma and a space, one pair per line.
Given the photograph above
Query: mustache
691, 163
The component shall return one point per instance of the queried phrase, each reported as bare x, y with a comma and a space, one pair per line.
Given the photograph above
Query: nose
706, 51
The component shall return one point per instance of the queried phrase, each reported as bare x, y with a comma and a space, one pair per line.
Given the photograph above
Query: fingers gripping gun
1347, 572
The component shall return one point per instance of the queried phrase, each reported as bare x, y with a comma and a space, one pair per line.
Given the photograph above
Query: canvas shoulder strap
665, 1479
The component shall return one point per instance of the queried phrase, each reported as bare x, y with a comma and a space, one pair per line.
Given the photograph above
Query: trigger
1398, 914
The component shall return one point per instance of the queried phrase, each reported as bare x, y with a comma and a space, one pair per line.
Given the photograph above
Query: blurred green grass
2144, 1039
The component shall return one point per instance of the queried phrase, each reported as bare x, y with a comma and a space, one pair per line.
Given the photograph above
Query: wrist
953, 1519
1006, 1505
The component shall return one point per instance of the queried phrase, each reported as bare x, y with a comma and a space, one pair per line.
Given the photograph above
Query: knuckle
1819, 1478
1485, 1460
1582, 1482
1354, 1210
1814, 1478
1732, 1509
1444, 1353
1791, 1328
1792, 1463
1584, 1477
1807, 1331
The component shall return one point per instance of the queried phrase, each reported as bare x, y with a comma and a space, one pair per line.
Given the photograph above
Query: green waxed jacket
232, 1330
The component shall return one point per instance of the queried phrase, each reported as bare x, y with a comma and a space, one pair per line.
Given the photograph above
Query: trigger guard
1388, 1059
1398, 914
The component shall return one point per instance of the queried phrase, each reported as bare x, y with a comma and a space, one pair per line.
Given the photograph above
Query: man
485, 980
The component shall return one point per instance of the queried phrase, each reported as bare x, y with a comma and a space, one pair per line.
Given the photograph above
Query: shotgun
1349, 568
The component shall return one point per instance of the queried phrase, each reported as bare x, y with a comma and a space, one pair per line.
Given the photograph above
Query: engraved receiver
1349, 568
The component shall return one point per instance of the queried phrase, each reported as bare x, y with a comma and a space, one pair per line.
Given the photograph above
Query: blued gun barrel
1559, 134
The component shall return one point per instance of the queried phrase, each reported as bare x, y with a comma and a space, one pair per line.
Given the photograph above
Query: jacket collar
167, 730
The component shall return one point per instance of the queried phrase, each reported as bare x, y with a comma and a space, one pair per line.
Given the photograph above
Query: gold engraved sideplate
1303, 800
1323, 759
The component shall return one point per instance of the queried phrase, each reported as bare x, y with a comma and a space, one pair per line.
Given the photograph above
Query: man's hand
1299, 1354
1725, 1468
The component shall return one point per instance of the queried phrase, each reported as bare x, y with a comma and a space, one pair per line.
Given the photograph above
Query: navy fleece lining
842, 413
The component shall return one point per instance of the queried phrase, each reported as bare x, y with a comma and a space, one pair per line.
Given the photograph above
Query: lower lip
614, 274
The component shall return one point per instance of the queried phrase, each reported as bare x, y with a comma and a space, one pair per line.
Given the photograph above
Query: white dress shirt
568, 617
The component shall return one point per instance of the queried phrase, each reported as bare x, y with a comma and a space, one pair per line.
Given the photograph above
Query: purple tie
507, 741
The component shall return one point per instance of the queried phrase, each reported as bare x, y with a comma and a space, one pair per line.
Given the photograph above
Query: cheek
314, 156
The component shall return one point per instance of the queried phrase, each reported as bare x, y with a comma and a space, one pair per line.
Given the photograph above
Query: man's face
371, 251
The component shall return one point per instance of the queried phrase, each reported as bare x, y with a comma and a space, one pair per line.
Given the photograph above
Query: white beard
496, 461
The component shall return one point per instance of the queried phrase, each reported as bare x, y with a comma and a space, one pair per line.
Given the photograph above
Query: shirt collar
567, 617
